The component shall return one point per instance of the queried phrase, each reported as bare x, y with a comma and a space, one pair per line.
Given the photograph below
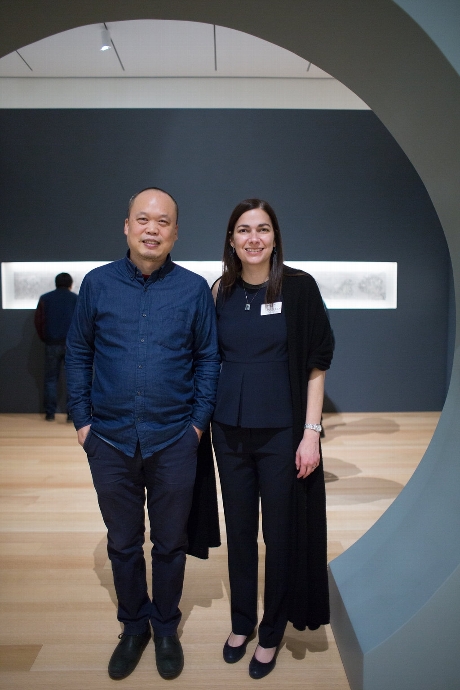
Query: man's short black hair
157, 189
63, 280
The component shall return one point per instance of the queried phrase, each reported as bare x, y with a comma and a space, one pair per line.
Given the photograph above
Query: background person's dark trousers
54, 360
120, 481
253, 461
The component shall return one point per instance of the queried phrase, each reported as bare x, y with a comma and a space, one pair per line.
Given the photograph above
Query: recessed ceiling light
106, 41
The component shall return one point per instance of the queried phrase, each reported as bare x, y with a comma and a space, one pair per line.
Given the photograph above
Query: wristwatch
315, 427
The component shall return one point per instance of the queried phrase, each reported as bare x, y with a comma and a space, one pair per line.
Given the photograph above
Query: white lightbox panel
354, 284
24, 281
343, 284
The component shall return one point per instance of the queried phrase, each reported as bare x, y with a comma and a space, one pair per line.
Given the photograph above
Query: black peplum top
253, 389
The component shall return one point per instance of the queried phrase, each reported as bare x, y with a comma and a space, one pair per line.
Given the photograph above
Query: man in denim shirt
142, 365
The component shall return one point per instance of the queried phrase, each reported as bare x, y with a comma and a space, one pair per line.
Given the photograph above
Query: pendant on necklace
247, 307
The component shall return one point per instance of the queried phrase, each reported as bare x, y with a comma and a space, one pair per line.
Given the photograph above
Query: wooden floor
58, 620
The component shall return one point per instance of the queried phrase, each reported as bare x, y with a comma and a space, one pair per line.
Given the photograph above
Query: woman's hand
307, 456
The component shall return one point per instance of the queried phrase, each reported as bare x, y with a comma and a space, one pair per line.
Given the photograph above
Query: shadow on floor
356, 490
365, 425
299, 642
201, 585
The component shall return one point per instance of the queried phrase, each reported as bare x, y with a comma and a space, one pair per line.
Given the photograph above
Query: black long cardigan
310, 345
203, 524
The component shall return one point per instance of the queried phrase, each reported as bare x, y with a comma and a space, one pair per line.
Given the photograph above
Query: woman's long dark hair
231, 264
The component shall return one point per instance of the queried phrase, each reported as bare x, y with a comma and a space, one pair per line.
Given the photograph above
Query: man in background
52, 320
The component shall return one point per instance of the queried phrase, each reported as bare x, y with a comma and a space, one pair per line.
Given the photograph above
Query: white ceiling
156, 48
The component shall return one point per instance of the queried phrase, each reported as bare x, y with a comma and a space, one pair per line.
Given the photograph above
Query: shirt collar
159, 274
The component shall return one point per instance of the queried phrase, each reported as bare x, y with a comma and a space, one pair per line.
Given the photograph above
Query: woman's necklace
245, 285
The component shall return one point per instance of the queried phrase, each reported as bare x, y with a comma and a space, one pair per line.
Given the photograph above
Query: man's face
151, 229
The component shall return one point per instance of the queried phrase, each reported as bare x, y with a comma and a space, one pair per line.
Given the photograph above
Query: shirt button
144, 315
142, 340
140, 366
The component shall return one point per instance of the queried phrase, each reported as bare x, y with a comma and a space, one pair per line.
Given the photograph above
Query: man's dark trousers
54, 359
121, 482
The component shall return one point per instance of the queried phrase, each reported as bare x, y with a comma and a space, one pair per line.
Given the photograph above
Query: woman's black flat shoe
233, 654
259, 669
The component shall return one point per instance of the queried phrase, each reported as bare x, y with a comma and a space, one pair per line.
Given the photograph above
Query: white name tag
267, 309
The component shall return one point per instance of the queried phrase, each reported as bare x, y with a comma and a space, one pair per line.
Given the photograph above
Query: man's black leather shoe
169, 656
127, 654
233, 654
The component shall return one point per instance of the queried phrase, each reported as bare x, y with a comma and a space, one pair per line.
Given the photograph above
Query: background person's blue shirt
53, 315
142, 356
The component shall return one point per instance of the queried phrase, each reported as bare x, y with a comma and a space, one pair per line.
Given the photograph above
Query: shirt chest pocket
174, 329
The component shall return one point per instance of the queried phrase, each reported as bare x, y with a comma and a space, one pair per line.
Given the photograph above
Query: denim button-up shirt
142, 357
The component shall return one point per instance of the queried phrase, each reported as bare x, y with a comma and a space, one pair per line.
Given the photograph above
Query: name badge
267, 309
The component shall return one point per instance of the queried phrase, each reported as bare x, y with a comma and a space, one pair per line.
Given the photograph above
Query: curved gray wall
395, 592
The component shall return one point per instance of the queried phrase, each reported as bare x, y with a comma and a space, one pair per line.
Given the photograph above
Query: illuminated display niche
343, 284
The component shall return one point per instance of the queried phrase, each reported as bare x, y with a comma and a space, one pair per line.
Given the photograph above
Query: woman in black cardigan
276, 344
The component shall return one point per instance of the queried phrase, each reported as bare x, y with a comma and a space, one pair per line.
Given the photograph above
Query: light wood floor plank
57, 601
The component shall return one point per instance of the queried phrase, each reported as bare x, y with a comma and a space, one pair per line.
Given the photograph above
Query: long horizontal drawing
343, 284
354, 284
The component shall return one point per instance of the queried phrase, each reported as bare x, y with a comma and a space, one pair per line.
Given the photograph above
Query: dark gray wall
342, 187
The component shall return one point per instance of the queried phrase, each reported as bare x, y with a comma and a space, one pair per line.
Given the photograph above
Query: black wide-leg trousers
257, 463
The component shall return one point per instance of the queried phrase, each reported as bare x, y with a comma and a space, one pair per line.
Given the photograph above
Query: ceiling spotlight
106, 41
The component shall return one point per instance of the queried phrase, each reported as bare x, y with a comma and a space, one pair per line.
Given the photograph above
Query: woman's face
253, 238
